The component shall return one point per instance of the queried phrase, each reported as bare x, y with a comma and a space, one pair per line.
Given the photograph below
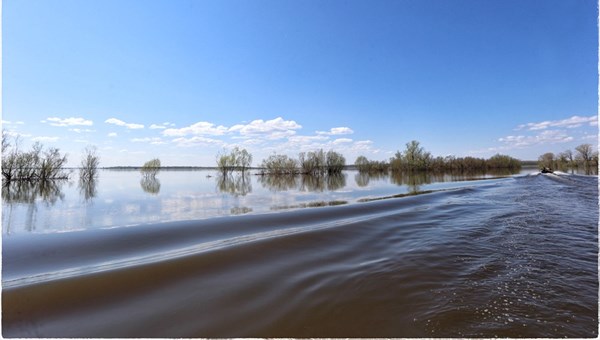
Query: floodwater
123, 198
508, 257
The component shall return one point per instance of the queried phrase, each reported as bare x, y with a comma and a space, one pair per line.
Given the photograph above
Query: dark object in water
547, 170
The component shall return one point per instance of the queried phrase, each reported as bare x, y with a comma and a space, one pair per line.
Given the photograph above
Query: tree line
584, 156
42, 164
416, 158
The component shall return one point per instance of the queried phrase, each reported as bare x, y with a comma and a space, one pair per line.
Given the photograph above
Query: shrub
335, 162
35, 165
89, 164
312, 162
237, 159
151, 168
280, 165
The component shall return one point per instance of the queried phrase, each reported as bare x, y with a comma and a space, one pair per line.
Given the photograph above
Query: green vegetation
237, 159
151, 168
362, 164
280, 165
39, 164
416, 158
585, 157
335, 162
312, 162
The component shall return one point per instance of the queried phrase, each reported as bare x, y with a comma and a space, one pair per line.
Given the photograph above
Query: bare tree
546, 160
89, 164
584, 153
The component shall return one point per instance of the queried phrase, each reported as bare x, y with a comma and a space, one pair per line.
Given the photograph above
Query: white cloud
197, 129
112, 134
44, 139
161, 126
573, 122
72, 121
337, 131
119, 122
7, 122
548, 136
271, 129
342, 141
16, 134
306, 139
363, 145
81, 130
151, 140
196, 141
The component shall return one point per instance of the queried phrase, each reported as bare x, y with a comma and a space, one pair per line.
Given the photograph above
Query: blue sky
185, 80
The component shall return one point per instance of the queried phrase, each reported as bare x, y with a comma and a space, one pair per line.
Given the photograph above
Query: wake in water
515, 258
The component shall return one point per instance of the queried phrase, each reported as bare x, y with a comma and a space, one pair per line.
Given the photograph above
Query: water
510, 257
119, 198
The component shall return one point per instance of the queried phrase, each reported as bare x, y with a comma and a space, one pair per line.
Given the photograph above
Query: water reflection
279, 182
415, 179
321, 183
29, 191
363, 179
309, 183
150, 184
15, 193
88, 188
238, 184
591, 170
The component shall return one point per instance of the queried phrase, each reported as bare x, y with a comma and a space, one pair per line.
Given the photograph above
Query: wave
430, 265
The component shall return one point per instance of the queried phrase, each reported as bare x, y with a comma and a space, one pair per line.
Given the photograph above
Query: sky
186, 80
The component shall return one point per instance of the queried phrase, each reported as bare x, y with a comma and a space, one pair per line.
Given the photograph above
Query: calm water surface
119, 198
507, 257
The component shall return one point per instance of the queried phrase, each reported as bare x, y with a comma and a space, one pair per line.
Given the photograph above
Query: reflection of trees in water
279, 182
87, 188
336, 181
591, 170
363, 178
311, 183
413, 179
240, 210
318, 183
238, 184
150, 184
29, 191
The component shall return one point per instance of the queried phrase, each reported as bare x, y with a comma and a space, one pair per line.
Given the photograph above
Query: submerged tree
89, 164
585, 153
279, 165
237, 159
312, 162
39, 164
335, 162
362, 164
151, 168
